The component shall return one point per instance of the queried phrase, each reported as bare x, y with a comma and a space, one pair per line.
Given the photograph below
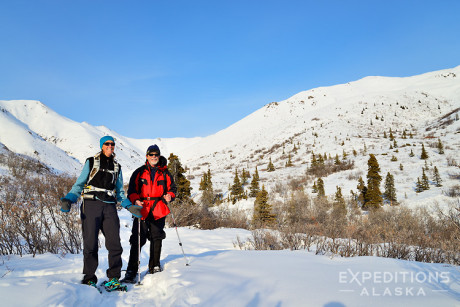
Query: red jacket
149, 184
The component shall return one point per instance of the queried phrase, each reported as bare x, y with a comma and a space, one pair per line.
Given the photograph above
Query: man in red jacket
152, 187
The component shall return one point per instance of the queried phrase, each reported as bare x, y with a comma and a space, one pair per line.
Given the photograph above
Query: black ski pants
99, 216
152, 230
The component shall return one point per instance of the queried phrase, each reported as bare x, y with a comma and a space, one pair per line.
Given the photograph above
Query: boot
130, 277
155, 253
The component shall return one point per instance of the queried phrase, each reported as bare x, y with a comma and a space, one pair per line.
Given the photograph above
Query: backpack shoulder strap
96, 164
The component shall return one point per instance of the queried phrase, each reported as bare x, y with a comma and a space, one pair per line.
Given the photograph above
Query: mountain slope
330, 121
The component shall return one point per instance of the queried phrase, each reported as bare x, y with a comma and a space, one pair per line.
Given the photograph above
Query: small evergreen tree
391, 135
362, 191
373, 195
182, 183
424, 154
207, 198
320, 187
262, 210
390, 191
339, 209
314, 188
436, 177
337, 161
237, 188
339, 197
425, 182
270, 167
244, 177
289, 162
254, 188
440, 147
321, 159
418, 186
313, 162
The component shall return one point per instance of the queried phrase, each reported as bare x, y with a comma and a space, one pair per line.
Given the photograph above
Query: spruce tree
177, 172
313, 162
314, 188
337, 161
237, 188
207, 198
362, 191
320, 187
391, 135
338, 196
373, 195
262, 210
203, 182
425, 181
390, 191
339, 210
254, 188
289, 162
270, 167
440, 147
321, 159
244, 177
424, 154
418, 186
411, 153
436, 177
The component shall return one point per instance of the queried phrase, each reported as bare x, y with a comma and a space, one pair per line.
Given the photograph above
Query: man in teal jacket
101, 182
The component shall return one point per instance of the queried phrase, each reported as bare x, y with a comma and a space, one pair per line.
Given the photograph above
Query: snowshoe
114, 285
92, 284
130, 277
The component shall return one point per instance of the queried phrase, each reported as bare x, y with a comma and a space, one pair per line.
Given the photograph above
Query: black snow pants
151, 230
99, 216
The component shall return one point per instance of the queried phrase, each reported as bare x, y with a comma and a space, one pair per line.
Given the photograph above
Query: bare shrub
31, 219
452, 191
324, 170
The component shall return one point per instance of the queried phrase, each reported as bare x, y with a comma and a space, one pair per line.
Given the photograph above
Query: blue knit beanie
105, 139
153, 148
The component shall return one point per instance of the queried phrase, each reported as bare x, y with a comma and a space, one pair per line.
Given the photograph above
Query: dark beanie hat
153, 148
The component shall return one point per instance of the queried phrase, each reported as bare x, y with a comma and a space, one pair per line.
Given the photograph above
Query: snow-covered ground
222, 275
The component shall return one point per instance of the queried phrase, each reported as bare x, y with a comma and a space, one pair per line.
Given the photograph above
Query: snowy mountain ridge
331, 120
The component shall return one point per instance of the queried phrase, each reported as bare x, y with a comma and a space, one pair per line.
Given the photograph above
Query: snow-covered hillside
327, 120
33, 129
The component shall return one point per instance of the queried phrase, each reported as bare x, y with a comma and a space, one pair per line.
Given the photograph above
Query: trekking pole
138, 251
180, 242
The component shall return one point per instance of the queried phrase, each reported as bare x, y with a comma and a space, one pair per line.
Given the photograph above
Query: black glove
135, 210
65, 205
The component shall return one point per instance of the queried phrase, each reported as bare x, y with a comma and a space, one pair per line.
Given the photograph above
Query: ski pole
180, 242
138, 251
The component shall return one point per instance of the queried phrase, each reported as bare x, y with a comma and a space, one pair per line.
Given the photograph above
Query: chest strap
90, 188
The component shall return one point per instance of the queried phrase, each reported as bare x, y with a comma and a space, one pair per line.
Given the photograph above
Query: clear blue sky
189, 68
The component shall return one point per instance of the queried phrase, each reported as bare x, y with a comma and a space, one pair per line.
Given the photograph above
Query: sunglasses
109, 144
154, 154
